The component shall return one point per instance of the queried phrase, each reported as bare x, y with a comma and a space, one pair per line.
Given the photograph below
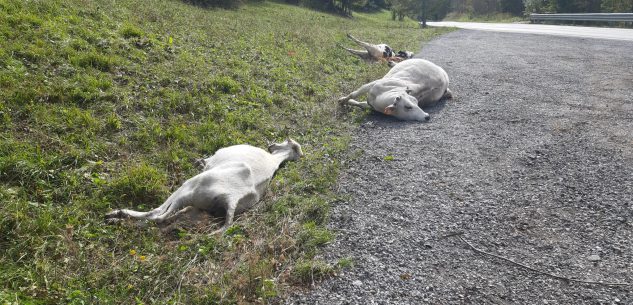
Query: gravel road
532, 160
543, 29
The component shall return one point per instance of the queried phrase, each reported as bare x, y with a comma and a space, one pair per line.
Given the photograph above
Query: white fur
233, 180
409, 85
372, 52
378, 52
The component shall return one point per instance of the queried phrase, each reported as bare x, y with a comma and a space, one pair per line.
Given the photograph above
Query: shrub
95, 60
130, 31
226, 85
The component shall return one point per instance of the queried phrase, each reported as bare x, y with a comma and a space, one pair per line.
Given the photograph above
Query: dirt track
532, 160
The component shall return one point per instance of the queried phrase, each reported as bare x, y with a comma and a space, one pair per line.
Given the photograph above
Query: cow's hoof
343, 100
113, 215
448, 94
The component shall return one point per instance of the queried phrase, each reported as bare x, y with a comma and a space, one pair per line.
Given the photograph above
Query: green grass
106, 104
496, 18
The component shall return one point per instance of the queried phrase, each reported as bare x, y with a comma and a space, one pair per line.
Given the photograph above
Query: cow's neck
281, 156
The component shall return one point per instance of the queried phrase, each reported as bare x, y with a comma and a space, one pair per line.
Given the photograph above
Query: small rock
594, 258
405, 276
357, 283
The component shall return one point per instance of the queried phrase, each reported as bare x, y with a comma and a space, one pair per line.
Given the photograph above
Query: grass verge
106, 104
495, 18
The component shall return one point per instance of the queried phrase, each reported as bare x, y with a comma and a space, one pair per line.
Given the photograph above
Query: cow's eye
407, 107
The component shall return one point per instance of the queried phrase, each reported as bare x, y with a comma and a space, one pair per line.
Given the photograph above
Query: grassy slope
105, 104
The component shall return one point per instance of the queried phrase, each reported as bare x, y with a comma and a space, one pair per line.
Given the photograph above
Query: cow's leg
114, 216
360, 43
420, 90
176, 216
356, 103
426, 95
360, 91
417, 89
372, 49
172, 204
178, 204
230, 214
360, 53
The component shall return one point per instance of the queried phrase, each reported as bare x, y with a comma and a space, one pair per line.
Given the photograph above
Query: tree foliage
342, 7
578, 6
617, 6
216, 3
419, 9
438, 9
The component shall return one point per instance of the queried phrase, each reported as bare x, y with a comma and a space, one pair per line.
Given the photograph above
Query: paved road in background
532, 160
558, 30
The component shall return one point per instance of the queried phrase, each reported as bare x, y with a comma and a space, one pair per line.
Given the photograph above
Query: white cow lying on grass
409, 85
378, 52
232, 181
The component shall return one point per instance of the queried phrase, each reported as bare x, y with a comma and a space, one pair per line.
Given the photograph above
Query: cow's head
405, 54
405, 107
290, 146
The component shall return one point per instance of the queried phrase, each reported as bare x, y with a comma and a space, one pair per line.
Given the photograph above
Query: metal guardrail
610, 17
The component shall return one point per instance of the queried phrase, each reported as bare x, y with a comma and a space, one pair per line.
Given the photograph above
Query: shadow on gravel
439, 106
379, 119
376, 119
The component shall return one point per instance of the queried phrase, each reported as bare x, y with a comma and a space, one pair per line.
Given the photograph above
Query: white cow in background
233, 180
409, 85
378, 52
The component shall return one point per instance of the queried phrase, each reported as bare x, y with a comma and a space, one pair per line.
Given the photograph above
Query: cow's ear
389, 110
408, 91
271, 147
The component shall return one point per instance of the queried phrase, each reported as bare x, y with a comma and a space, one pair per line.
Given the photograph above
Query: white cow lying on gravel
409, 85
232, 181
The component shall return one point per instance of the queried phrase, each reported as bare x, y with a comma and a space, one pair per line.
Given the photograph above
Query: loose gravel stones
532, 160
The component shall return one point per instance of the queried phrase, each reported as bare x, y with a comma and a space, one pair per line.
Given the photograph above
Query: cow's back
415, 70
260, 161
424, 72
